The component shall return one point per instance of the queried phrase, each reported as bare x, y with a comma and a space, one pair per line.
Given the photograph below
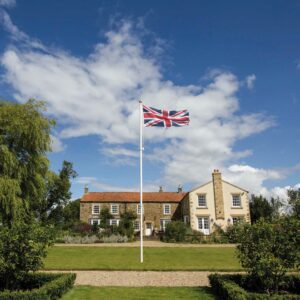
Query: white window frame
111, 209
164, 209
205, 203
138, 209
186, 219
234, 203
92, 221
111, 222
237, 220
93, 209
204, 224
136, 228
163, 223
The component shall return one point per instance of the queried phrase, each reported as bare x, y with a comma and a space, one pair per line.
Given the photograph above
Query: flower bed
40, 286
238, 287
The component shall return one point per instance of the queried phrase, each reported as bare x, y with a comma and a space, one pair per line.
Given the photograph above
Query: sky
235, 65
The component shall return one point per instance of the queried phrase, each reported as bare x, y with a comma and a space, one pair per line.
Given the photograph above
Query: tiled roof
132, 197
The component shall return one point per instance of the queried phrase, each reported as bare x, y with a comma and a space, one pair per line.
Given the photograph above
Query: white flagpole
141, 179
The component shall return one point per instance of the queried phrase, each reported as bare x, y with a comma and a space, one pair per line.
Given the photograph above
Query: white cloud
99, 95
7, 3
250, 81
56, 144
251, 178
96, 185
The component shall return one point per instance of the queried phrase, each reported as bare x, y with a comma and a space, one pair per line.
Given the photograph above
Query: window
186, 219
236, 200
136, 225
163, 223
167, 209
114, 209
114, 222
138, 209
96, 209
203, 223
202, 200
95, 221
236, 220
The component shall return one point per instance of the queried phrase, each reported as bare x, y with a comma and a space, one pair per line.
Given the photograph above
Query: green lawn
122, 258
131, 293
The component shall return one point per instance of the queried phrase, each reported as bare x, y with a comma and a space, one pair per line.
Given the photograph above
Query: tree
126, 224
71, 213
57, 194
24, 140
267, 251
260, 207
294, 202
105, 216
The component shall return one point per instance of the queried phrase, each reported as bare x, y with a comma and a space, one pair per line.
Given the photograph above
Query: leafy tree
71, 213
105, 216
267, 251
126, 224
57, 194
294, 202
260, 207
24, 140
22, 249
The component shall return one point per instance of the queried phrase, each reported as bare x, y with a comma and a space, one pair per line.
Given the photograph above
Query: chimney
160, 189
218, 194
86, 189
180, 188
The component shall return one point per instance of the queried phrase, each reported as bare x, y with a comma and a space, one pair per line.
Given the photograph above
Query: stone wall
153, 212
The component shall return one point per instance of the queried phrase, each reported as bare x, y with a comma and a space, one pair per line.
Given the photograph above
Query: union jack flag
165, 118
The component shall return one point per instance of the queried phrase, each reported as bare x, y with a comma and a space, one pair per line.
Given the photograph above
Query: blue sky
234, 64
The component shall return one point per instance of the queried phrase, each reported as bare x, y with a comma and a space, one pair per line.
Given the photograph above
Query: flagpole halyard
141, 179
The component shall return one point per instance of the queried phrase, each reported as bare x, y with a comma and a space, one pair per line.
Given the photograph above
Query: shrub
267, 251
81, 240
233, 232
22, 249
238, 287
83, 228
40, 286
175, 232
114, 238
126, 224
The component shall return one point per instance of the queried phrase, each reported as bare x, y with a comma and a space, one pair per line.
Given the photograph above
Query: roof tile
133, 197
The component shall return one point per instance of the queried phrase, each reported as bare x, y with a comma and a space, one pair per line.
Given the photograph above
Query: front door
148, 231
203, 225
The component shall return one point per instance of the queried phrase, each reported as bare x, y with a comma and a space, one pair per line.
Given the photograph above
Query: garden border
46, 286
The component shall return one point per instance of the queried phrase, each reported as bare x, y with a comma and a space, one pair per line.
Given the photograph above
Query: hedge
229, 287
41, 286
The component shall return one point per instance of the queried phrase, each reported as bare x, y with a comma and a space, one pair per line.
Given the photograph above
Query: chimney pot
179, 188
86, 189
160, 189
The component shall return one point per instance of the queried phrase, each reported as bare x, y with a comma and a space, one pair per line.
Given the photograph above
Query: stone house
216, 203
159, 208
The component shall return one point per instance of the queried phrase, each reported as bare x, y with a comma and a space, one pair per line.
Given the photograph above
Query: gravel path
149, 244
140, 278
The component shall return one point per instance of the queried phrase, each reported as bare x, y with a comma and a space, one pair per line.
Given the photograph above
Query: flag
165, 118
